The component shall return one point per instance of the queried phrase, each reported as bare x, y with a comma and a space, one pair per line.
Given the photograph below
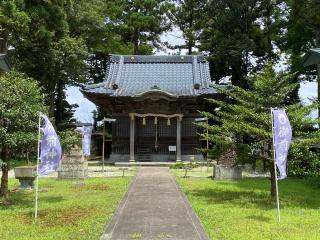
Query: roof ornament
196, 86
155, 87
115, 86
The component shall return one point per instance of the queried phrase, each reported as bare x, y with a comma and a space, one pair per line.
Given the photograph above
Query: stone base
155, 158
26, 183
73, 166
222, 172
26, 176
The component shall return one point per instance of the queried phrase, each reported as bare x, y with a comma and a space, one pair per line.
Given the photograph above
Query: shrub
69, 139
302, 161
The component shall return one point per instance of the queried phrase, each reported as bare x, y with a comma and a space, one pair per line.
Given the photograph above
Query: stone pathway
154, 208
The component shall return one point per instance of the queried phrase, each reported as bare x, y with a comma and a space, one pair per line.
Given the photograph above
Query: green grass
200, 172
244, 210
66, 211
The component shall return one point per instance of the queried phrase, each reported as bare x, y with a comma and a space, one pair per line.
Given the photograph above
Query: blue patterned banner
51, 151
86, 140
282, 134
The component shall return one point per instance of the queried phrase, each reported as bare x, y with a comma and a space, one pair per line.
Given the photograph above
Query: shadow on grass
238, 198
259, 218
256, 192
26, 200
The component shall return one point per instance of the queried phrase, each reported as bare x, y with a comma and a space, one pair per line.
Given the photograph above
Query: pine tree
142, 23
244, 119
189, 16
239, 36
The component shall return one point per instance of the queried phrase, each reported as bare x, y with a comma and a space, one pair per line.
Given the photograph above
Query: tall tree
239, 37
20, 102
47, 52
97, 22
248, 117
142, 23
12, 20
189, 16
302, 25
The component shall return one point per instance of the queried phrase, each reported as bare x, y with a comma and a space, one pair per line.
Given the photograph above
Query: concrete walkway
154, 208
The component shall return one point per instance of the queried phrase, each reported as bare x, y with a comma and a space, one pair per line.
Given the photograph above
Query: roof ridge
157, 58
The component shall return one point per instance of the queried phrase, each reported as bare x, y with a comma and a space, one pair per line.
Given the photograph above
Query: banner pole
275, 167
37, 177
103, 141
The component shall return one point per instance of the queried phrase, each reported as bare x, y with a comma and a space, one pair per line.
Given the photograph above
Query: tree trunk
190, 47
5, 175
59, 103
4, 42
273, 189
51, 104
268, 160
136, 43
236, 77
4, 182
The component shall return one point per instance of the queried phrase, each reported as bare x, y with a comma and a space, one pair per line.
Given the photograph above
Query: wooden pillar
132, 126
178, 159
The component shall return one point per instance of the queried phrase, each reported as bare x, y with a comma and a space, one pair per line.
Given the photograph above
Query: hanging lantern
168, 122
155, 120
144, 121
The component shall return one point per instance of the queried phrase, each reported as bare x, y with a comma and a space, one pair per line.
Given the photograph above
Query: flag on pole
86, 140
51, 151
282, 135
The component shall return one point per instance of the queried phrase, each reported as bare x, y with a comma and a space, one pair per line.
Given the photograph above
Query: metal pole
318, 71
103, 140
37, 177
207, 145
275, 168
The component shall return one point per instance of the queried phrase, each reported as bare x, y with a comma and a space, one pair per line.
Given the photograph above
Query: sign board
172, 148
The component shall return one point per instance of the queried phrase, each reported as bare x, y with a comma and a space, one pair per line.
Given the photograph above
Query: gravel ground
109, 171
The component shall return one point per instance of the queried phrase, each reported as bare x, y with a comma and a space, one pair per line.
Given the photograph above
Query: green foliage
20, 102
244, 119
227, 208
234, 37
142, 23
303, 162
181, 165
65, 211
189, 17
12, 19
69, 139
45, 51
303, 32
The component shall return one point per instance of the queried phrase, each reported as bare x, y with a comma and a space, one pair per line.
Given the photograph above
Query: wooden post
178, 159
132, 126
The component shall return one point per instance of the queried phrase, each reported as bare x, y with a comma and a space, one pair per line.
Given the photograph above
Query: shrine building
155, 101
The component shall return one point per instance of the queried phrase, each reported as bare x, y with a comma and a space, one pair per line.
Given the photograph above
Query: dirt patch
92, 187
59, 217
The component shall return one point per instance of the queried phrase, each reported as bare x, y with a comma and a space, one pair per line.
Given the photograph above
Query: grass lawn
202, 171
66, 211
244, 210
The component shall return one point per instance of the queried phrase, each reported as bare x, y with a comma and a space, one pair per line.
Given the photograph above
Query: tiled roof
312, 57
134, 75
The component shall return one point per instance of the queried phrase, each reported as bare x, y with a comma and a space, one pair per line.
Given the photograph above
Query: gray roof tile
175, 75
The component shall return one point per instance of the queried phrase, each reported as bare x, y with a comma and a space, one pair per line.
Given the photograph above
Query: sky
308, 90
